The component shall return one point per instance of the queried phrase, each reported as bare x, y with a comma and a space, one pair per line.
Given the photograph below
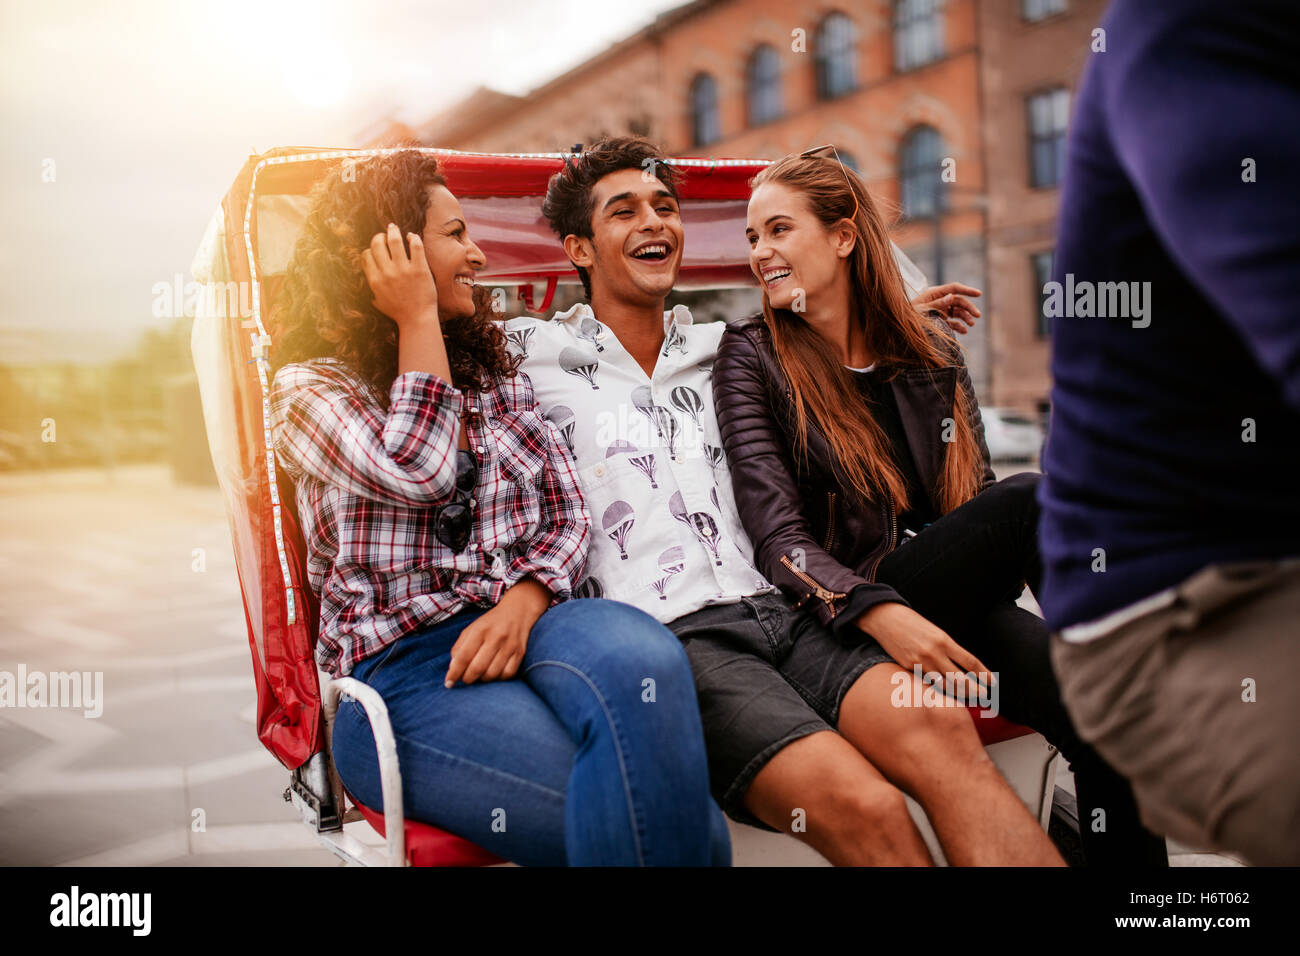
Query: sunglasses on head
452, 522
819, 149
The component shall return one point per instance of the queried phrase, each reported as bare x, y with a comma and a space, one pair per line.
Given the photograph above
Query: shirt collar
679, 313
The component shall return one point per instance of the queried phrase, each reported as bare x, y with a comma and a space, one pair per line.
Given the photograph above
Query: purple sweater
1175, 436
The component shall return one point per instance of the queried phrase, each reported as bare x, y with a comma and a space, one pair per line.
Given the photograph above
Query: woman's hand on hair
912, 641
949, 300
402, 285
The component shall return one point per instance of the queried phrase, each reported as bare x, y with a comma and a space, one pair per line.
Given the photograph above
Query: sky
125, 121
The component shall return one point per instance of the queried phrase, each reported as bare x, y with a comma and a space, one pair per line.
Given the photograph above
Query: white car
1011, 435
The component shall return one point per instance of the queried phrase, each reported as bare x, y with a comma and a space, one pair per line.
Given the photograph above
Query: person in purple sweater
1170, 527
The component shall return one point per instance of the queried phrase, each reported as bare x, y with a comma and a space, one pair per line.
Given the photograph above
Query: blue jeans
592, 755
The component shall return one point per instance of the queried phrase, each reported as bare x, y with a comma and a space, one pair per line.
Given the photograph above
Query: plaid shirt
369, 483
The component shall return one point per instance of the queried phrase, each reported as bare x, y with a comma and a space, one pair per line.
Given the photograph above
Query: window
1041, 263
1048, 114
705, 127
918, 33
763, 86
836, 57
1035, 10
919, 172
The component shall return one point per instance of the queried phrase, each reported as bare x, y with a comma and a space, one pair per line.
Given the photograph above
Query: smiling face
453, 257
636, 247
789, 248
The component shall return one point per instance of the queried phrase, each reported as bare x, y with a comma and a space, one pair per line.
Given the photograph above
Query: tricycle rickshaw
241, 262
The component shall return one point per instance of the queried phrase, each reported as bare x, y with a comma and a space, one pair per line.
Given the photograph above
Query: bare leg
935, 755
853, 815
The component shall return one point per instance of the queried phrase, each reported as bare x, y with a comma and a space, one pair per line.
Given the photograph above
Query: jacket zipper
830, 524
830, 597
889, 543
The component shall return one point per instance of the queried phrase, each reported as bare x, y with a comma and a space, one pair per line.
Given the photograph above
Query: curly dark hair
569, 203
325, 307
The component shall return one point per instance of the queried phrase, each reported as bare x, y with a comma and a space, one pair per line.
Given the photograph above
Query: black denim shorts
766, 675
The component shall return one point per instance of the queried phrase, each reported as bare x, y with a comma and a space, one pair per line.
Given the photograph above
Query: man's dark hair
569, 203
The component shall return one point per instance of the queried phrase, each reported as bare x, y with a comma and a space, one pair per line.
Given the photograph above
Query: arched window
705, 127
836, 57
919, 172
918, 33
763, 85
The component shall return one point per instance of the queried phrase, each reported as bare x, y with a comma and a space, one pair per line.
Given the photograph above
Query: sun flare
318, 78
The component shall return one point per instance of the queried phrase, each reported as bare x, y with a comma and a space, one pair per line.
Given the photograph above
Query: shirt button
481, 449
473, 547
708, 533
599, 471
473, 502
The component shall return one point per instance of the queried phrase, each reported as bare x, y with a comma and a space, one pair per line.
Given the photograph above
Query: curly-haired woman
445, 532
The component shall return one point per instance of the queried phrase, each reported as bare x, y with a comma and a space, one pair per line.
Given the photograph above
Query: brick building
1030, 65
903, 88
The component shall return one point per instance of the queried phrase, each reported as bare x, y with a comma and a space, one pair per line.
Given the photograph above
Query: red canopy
502, 199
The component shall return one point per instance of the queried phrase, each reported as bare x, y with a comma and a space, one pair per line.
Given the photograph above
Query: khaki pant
1198, 704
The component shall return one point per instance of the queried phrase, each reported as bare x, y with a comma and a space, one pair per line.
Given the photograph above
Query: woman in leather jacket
863, 478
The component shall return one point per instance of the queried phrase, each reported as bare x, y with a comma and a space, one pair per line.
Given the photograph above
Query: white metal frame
390, 773
339, 841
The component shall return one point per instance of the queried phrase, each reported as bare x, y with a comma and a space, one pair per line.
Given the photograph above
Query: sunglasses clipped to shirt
452, 522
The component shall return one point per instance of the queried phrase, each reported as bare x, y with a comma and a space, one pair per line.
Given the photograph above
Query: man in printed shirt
628, 385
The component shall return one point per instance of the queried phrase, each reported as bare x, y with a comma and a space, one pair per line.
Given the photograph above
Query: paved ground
99, 576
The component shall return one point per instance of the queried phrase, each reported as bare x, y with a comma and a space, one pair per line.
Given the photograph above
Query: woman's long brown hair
896, 335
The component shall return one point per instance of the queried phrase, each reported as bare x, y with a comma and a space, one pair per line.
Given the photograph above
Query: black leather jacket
814, 536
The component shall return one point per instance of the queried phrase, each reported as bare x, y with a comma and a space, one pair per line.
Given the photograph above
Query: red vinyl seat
428, 846
995, 729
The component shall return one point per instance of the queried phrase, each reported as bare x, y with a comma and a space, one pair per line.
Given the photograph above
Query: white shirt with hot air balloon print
666, 534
